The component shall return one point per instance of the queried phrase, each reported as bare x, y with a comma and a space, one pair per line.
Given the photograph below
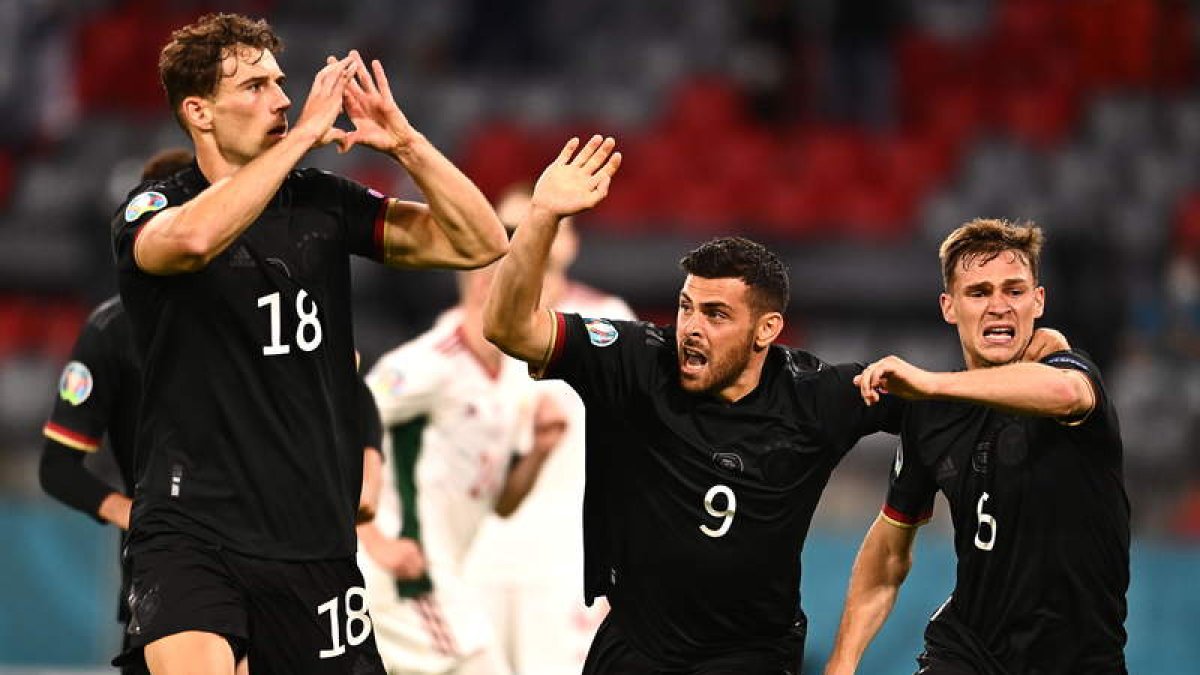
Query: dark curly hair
738, 258
190, 64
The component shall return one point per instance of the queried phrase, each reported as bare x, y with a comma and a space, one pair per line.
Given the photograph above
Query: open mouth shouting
278, 131
1000, 334
691, 361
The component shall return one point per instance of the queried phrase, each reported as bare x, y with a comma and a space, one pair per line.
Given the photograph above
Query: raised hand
577, 181
893, 375
324, 102
378, 121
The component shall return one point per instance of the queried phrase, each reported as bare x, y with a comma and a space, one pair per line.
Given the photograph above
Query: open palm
577, 181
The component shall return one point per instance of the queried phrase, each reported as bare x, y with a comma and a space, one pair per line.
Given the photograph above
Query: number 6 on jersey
726, 513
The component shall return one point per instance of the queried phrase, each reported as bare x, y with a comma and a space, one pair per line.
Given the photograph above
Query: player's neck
485, 352
212, 163
746, 382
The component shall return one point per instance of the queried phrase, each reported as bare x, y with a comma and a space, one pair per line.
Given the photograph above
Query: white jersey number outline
354, 618
309, 323
727, 513
984, 519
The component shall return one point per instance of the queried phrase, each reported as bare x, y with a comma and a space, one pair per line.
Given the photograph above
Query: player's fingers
362, 77
381, 80
614, 163
355, 88
588, 150
564, 156
865, 389
601, 155
601, 190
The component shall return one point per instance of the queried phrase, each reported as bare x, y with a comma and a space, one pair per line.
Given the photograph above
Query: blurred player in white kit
459, 442
529, 566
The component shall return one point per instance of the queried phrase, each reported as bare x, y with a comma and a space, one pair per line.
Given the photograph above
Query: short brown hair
190, 64
983, 239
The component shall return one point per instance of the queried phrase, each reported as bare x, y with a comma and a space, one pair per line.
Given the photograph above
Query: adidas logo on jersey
241, 257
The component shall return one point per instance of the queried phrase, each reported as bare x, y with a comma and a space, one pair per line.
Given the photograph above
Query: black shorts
612, 654
288, 617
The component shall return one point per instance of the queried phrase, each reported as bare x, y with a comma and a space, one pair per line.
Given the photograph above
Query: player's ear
767, 329
1039, 301
947, 304
197, 112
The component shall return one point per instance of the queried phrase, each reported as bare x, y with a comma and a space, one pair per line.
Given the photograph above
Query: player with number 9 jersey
708, 444
696, 509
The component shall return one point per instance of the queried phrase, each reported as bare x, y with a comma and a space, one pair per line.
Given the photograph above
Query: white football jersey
473, 422
530, 565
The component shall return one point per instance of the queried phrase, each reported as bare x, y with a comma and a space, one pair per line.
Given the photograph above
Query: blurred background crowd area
849, 135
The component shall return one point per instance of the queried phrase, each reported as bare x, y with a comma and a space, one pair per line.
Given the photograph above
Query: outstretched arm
186, 238
1022, 388
458, 228
574, 182
881, 566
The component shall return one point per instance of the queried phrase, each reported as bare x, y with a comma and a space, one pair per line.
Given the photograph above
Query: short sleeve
607, 361
86, 393
140, 206
1101, 421
844, 415
405, 386
364, 213
911, 489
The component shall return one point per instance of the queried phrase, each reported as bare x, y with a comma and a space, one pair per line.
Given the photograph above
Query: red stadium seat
703, 106
497, 155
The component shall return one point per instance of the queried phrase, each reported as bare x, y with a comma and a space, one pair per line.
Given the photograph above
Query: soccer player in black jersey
235, 274
98, 395
708, 445
1029, 458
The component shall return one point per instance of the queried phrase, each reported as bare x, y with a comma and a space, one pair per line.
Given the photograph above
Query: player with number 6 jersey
235, 274
1026, 447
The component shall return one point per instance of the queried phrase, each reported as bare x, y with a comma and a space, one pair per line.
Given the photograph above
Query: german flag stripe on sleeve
904, 520
70, 438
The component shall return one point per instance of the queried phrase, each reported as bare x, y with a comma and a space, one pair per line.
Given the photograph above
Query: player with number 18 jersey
249, 448
250, 442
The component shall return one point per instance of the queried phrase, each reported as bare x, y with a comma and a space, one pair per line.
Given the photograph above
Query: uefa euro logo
75, 385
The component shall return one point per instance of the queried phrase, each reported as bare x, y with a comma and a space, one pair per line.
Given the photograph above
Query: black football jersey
696, 509
99, 391
249, 436
98, 395
370, 426
1041, 529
